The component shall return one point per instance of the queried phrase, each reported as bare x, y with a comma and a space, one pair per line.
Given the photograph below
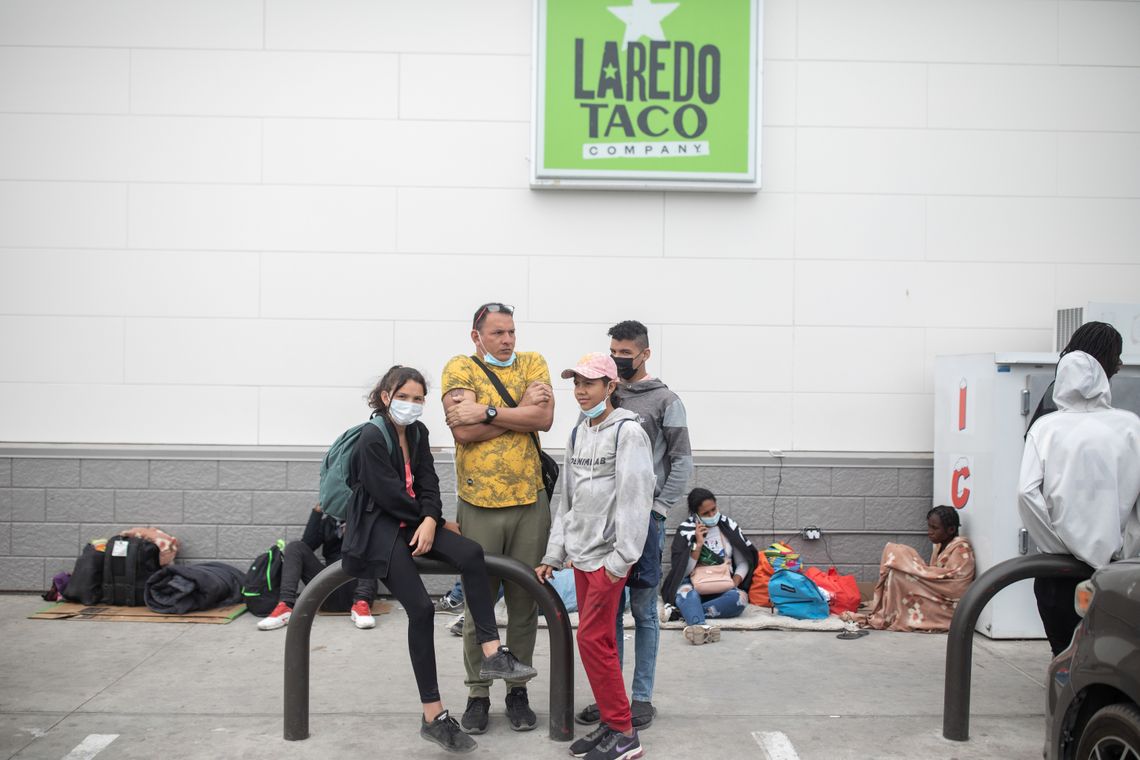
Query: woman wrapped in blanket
707, 540
912, 595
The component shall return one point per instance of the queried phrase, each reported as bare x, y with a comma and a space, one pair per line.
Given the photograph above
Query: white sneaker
456, 628
362, 615
279, 618
702, 634
669, 613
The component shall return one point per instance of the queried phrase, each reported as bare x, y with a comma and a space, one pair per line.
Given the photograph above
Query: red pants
598, 601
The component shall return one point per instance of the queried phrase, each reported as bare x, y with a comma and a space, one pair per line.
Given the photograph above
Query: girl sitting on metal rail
394, 516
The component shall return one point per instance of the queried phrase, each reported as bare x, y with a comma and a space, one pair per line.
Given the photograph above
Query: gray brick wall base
231, 505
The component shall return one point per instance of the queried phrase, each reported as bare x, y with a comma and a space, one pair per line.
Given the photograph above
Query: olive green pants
520, 532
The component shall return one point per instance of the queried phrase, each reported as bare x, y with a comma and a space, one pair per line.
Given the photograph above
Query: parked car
1093, 708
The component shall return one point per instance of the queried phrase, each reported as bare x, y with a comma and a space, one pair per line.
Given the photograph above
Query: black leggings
300, 565
403, 580
1055, 606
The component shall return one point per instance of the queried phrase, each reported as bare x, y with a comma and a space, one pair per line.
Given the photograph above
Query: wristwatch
492, 412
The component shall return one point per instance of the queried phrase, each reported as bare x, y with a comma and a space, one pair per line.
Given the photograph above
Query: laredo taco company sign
643, 94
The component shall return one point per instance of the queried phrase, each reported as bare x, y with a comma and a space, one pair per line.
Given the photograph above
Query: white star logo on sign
642, 19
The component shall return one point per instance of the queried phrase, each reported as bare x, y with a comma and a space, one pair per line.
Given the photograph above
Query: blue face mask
488, 359
594, 412
709, 521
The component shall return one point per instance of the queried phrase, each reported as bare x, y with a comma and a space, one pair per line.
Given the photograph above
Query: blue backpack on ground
335, 492
796, 596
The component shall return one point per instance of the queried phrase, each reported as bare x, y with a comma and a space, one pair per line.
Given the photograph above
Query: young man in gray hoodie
600, 526
662, 416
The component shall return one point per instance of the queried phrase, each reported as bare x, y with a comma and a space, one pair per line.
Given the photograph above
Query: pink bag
712, 579
167, 544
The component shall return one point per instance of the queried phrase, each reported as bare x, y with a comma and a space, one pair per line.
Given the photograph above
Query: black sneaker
503, 664
581, 747
520, 715
445, 732
588, 716
643, 713
475, 716
617, 746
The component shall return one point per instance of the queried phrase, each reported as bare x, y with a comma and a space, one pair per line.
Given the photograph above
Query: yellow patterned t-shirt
504, 471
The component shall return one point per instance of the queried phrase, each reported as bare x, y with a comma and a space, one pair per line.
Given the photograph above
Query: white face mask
404, 412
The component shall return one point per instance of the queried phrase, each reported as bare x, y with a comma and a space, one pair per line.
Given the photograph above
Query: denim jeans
646, 630
696, 608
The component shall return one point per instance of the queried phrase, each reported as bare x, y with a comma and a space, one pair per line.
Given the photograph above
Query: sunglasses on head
492, 308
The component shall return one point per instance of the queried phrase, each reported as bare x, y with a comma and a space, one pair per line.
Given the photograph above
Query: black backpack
261, 587
86, 584
128, 562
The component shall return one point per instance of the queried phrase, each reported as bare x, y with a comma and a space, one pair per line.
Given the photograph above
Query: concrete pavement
184, 691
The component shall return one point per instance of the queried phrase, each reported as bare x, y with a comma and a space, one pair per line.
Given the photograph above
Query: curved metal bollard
297, 637
960, 643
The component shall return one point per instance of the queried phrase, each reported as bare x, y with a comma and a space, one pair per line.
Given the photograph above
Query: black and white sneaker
448, 605
582, 746
475, 716
503, 664
520, 715
445, 732
617, 746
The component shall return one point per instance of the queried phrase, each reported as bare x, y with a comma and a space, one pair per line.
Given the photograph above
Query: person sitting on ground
300, 564
394, 517
912, 595
707, 538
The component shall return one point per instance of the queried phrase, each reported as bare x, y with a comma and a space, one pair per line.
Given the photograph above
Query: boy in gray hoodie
600, 528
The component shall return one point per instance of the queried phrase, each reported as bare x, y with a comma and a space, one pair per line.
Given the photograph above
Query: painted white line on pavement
91, 746
776, 745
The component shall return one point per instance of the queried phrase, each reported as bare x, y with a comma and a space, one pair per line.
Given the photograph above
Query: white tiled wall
221, 220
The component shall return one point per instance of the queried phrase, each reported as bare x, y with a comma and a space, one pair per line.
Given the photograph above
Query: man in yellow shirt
502, 504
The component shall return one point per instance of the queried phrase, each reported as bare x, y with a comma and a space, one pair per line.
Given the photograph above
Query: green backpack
335, 492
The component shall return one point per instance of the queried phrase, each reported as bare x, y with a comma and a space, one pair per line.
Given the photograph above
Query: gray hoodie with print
607, 495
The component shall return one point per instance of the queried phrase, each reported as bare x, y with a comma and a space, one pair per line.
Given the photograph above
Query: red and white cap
593, 366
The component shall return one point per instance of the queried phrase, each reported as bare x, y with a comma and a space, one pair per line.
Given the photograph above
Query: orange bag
843, 589
758, 592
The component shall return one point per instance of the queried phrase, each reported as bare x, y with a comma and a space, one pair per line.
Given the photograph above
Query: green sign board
645, 94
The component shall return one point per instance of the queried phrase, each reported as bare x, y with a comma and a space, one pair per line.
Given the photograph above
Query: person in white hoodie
599, 528
1079, 484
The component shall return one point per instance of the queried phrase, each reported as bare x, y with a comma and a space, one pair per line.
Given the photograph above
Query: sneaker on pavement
362, 615
520, 715
503, 664
582, 747
475, 716
445, 732
456, 628
643, 713
279, 618
617, 746
669, 613
588, 715
702, 634
448, 605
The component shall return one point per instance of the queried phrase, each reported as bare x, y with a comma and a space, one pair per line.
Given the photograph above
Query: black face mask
625, 367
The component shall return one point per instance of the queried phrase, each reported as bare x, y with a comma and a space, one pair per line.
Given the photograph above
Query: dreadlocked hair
1099, 340
948, 516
